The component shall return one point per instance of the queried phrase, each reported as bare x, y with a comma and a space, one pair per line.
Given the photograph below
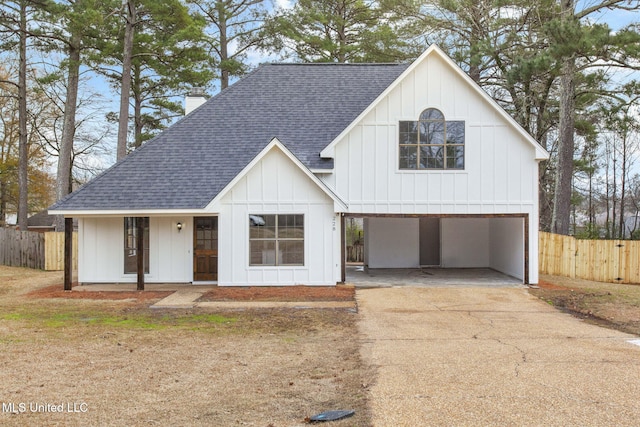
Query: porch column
68, 253
140, 251
343, 247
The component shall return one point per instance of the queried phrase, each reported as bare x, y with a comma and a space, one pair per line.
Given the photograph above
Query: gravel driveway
483, 356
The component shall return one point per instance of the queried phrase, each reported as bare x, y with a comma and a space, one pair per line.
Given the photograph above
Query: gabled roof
339, 204
541, 153
304, 106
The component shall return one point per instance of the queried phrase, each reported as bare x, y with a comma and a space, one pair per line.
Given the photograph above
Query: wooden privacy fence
44, 251
355, 253
615, 261
54, 251
21, 248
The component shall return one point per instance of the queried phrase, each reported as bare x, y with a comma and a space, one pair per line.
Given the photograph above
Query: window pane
408, 132
131, 245
432, 157
431, 114
436, 132
424, 132
409, 157
262, 252
455, 157
291, 226
455, 132
291, 252
262, 226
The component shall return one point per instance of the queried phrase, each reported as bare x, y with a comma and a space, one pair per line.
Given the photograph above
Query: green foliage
336, 31
589, 232
64, 317
168, 59
232, 29
354, 231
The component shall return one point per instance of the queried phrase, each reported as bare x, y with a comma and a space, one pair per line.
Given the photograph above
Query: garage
493, 241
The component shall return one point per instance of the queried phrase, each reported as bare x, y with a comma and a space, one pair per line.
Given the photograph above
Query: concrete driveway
493, 357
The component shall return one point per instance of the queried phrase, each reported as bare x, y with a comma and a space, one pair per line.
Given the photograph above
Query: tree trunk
614, 202
137, 108
3, 203
564, 171
23, 152
125, 90
224, 48
607, 190
63, 181
623, 189
475, 56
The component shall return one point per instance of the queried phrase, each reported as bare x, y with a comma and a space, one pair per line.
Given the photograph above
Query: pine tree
337, 31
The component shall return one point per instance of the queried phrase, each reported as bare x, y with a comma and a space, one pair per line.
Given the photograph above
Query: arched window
431, 142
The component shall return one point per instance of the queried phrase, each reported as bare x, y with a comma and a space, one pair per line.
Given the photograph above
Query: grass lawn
118, 362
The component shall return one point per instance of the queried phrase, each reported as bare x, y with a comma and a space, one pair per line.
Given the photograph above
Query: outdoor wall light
179, 225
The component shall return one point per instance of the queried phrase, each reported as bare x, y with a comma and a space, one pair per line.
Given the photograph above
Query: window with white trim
276, 239
431, 142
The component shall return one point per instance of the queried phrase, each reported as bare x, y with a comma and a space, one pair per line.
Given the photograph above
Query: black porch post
68, 253
140, 251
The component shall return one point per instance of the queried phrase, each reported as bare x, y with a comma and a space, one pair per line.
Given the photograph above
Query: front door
205, 249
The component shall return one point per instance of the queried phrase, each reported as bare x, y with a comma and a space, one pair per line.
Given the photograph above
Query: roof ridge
342, 64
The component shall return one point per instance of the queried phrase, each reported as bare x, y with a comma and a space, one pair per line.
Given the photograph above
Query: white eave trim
128, 213
339, 204
541, 153
322, 171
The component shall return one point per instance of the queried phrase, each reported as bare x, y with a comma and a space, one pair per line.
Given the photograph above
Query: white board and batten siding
275, 185
101, 250
500, 174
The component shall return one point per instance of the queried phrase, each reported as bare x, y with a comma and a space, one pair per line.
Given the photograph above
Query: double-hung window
276, 240
431, 142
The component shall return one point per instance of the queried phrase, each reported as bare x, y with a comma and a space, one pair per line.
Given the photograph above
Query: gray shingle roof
304, 105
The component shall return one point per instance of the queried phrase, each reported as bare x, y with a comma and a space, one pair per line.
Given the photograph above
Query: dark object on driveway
331, 416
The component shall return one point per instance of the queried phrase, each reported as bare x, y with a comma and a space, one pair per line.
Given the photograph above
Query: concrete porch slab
363, 277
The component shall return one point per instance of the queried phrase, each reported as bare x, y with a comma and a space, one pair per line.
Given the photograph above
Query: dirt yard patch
611, 305
117, 362
56, 291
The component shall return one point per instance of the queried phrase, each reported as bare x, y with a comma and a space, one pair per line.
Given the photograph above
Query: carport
432, 243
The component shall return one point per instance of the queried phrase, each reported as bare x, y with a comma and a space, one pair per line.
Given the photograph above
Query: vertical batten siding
275, 185
170, 254
498, 178
101, 250
496, 157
